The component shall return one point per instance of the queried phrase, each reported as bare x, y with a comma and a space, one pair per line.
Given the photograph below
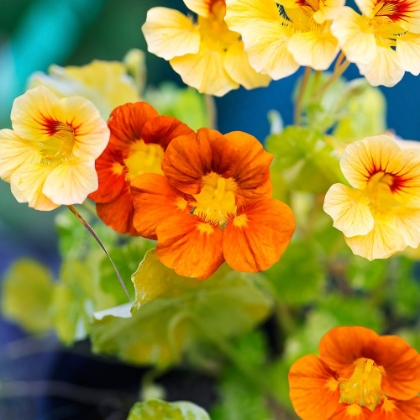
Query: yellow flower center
364, 386
216, 201
144, 159
380, 193
59, 146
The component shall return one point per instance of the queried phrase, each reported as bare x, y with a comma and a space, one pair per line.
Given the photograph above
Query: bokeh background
37, 33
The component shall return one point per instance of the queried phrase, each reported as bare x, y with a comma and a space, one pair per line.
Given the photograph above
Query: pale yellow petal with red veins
169, 33
193, 248
408, 52
313, 389
27, 183
406, 181
314, 49
15, 152
381, 242
364, 158
256, 238
201, 7
384, 69
71, 182
355, 35
237, 65
349, 210
328, 10
205, 71
397, 410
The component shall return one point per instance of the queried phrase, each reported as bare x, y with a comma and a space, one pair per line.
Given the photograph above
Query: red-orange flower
139, 138
358, 376
212, 204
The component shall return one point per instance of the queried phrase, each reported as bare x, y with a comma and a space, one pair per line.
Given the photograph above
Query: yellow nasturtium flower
280, 36
207, 55
49, 156
384, 41
380, 213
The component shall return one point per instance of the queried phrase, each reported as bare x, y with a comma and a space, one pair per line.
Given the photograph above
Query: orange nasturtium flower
139, 138
279, 36
380, 215
49, 156
384, 41
359, 375
213, 204
207, 55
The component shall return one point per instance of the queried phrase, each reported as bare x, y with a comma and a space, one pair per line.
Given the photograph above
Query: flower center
395, 10
379, 189
216, 200
59, 146
364, 386
144, 159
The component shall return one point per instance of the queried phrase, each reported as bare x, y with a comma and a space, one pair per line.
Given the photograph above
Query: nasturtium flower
380, 213
49, 156
279, 36
384, 41
207, 55
139, 138
213, 204
359, 375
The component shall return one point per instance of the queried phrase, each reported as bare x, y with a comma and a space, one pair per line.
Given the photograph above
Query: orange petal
255, 239
398, 410
162, 130
126, 123
190, 246
154, 199
351, 412
111, 175
313, 389
118, 213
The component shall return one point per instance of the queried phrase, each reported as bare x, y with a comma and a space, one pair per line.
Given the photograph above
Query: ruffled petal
169, 33
397, 410
351, 412
255, 239
313, 389
349, 210
408, 224
190, 246
408, 52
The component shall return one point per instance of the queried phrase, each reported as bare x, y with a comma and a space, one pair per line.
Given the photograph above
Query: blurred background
37, 33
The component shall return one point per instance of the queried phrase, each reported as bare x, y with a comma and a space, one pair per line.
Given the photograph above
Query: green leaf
366, 275
171, 313
157, 409
27, 294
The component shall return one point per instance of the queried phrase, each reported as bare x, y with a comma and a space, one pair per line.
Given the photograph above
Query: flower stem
298, 106
93, 233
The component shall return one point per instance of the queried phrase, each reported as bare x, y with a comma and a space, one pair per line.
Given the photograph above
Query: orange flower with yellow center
139, 138
358, 376
207, 55
213, 204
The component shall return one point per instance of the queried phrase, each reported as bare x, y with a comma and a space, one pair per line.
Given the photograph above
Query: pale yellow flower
280, 36
49, 157
105, 83
207, 55
380, 214
384, 41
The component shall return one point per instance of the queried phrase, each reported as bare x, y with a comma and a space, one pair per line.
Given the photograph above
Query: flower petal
351, 412
313, 389
190, 246
255, 239
201, 7
349, 210
397, 410
408, 224
169, 33
408, 52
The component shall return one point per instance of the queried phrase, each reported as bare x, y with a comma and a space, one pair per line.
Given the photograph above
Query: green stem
298, 107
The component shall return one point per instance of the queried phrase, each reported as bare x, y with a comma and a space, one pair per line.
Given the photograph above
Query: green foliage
366, 275
172, 312
26, 295
157, 409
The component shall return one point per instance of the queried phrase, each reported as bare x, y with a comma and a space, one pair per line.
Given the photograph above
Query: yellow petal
408, 224
408, 52
355, 36
237, 65
205, 71
27, 183
363, 158
201, 7
382, 241
349, 210
367, 7
71, 182
384, 69
314, 49
14, 152
328, 10
170, 34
